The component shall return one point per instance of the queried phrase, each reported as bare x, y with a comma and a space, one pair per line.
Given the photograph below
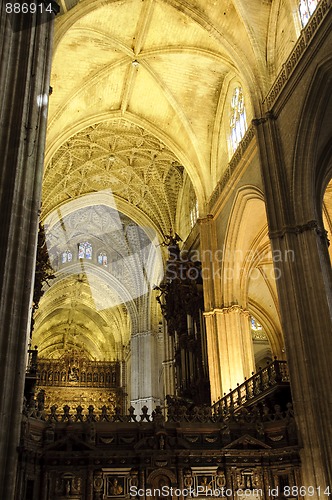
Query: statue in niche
73, 374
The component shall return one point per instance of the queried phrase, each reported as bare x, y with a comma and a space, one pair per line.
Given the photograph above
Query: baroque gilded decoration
74, 380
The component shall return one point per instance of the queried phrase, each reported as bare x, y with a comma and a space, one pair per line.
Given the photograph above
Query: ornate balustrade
235, 160
176, 412
275, 374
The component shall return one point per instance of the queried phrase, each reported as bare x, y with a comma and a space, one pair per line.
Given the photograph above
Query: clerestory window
102, 259
85, 250
67, 256
238, 122
306, 9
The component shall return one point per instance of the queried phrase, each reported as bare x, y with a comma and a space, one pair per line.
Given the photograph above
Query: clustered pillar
304, 289
25, 48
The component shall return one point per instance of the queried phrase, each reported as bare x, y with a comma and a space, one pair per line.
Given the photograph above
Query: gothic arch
248, 253
248, 199
312, 155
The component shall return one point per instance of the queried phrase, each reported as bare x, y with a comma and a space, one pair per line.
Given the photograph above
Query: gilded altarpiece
76, 381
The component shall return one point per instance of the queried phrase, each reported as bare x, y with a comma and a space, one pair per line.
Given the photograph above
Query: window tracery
85, 250
102, 259
67, 256
306, 9
238, 121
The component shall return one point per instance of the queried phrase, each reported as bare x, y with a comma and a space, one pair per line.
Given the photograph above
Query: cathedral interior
166, 284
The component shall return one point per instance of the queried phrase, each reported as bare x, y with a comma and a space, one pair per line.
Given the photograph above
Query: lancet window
238, 122
67, 256
85, 250
102, 259
194, 213
306, 9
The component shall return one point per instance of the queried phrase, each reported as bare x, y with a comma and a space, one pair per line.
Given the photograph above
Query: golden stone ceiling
91, 305
121, 157
138, 112
163, 65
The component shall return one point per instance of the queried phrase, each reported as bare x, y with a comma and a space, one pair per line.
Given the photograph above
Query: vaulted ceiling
137, 118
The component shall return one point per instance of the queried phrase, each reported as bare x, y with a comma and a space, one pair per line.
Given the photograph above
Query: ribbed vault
138, 123
93, 303
122, 157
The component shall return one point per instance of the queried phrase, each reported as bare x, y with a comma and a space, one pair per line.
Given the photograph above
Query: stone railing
275, 374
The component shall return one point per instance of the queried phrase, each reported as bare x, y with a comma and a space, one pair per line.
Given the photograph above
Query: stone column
305, 298
211, 271
208, 242
25, 48
229, 342
144, 371
231, 348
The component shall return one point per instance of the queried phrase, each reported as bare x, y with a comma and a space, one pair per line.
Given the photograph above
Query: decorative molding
235, 160
298, 229
205, 220
148, 333
227, 310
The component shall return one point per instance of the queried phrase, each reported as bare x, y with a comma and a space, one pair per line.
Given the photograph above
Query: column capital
142, 334
311, 225
263, 119
227, 310
204, 220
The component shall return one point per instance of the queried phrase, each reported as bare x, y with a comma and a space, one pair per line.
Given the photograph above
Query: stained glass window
255, 325
238, 122
67, 256
307, 8
85, 250
102, 259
